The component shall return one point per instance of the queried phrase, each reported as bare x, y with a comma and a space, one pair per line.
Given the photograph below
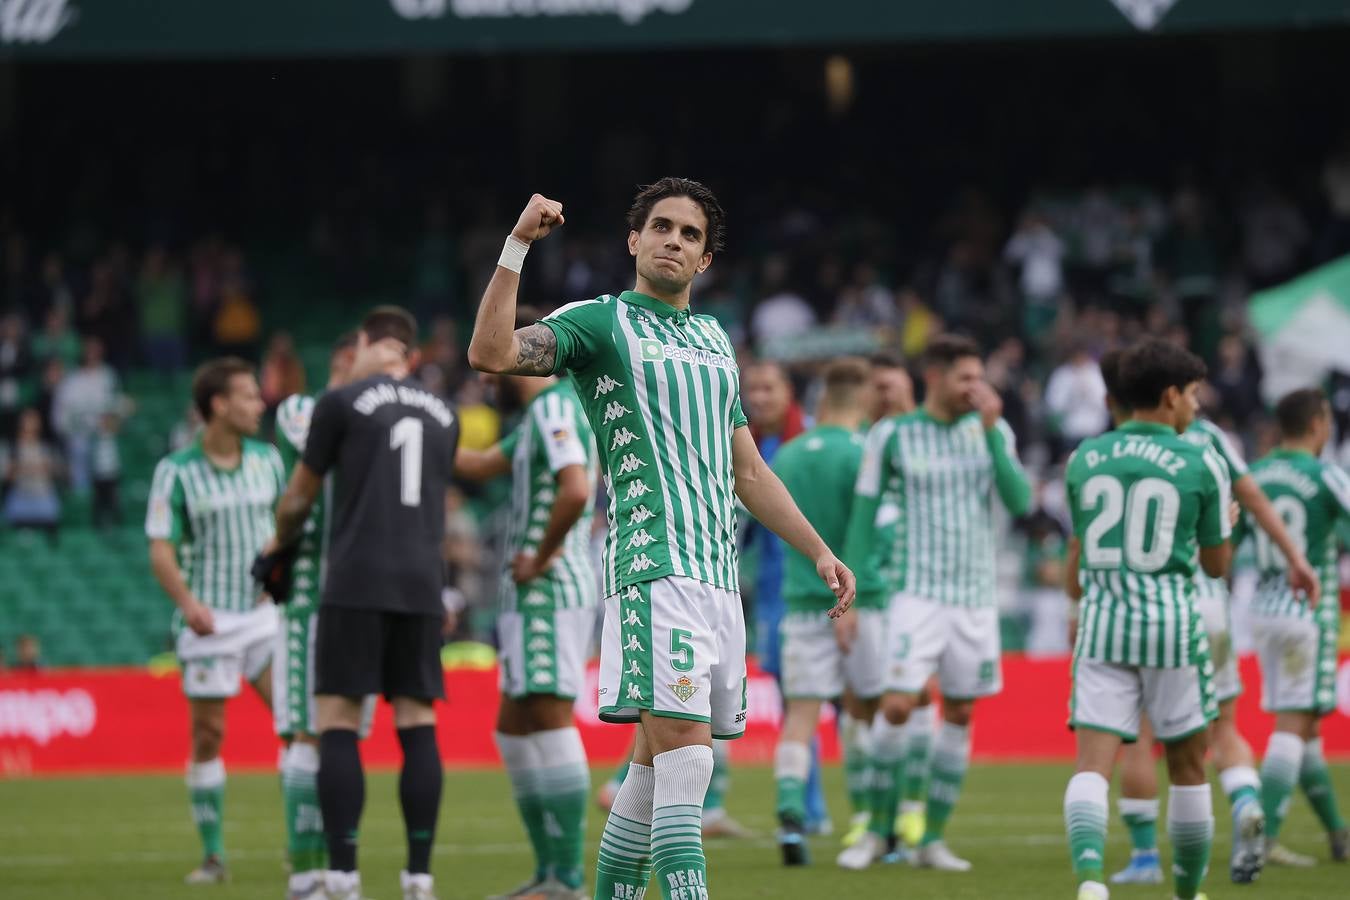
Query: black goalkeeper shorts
364, 651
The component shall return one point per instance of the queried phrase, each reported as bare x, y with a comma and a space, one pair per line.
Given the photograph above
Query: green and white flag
1304, 328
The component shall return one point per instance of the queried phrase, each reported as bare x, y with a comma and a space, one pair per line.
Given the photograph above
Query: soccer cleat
857, 827
910, 826
1093, 890
1340, 844
1145, 868
1280, 855
1249, 829
416, 887
342, 886
938, 856
306, 886
211, 871
896, 852
866, 851
528, 888
605, 797
792, 843
716, 823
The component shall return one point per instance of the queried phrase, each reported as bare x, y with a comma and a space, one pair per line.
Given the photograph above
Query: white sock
561, 760
1139, 807
1085, 813
952, 745
341, 882
888, 741
634, 800
209, 774
681, 776
1284, 756
1235, 778
522, 763
409, 881
858, 734
792, 759
302, 758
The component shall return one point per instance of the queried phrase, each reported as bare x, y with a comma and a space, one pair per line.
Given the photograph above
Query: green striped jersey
1205, 433
941, 477
219, 520
1143, 501
293, 416
553, 435
819, 468
1310, 497
662, 390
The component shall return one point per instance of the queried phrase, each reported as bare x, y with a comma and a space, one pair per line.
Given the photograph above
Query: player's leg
1139, 807
296, 723
206, 780
863, 687
855, 737
522, 765
1242, 785
1315, 780
792, 764
717, 822
1181, 705
920, 731
605, 798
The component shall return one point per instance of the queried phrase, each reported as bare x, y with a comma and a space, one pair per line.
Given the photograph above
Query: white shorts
675, 647
544, 652
961, 646
1214, 611
1110, 697
240, 648
1298, 664
815, 668
293, 708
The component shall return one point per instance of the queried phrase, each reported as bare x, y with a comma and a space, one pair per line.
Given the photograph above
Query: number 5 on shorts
679, 644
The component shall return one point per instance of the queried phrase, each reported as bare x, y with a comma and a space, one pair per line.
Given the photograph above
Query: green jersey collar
1291, 453
660, 307
1138, 427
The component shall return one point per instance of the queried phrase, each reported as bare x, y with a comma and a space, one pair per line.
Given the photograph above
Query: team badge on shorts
684, 688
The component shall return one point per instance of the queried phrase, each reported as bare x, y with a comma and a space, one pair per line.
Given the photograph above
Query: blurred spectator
27, 653
1075, 400
918, 323
1038, 253
53, 373
104, 314
282, 372
161, 300
784, 313
463, 552
1274, 236
236, 326
1237, 380
16, 364
1130, 281
55, 292
865, 302
439, 370
107, 471
1042, 583
184, 431
31, 500
480, 424
84, 397
56, 340
1188, 259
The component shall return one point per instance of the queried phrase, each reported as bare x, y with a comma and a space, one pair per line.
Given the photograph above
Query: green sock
1279, 774
951, 754
721, 778
678, 863
1315, 781
624, 865
304, 822
1141, 821
1190, 828
918, 754
791, 764
857, 763
887, 774
206, 789
565, 790
1085, 815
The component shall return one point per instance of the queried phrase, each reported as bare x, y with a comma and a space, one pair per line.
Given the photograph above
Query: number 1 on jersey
406, 435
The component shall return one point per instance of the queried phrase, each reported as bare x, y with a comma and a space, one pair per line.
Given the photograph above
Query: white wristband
513, 254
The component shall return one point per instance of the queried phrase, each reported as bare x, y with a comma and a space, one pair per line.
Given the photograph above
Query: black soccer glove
274, 572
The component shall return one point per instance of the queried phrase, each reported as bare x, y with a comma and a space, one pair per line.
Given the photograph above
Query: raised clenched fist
541, 216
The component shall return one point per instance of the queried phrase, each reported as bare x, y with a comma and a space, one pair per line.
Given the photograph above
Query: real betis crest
684, 688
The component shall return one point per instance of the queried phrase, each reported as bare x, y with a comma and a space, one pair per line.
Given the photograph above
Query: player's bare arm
1072, 586
164, 565
496, 345
481, 465
768, 501
572, 495
1215, 560
294, 506
1302, 578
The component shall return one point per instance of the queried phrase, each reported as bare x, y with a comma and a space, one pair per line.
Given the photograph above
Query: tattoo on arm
538, 351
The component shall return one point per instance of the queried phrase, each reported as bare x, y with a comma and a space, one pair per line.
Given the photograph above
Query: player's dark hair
212, 379
944, 350
345, 341
1152, 366
1110, 366
390, 322
1298, 410
651, 194
887, 360
527, 315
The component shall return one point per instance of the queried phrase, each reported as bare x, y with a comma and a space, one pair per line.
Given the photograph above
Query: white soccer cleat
306, 886
938, 856
416, 887
1280, 855
211, 871
1145, 867
866, 851
1248, 854
1093, 890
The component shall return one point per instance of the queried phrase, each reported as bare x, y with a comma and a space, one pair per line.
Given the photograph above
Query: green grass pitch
131, 838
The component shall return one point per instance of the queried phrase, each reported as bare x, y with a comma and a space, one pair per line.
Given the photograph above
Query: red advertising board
128, 720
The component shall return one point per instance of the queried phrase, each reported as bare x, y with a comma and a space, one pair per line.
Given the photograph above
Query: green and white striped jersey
293, 416
553, 435
942, 477
219, 520
662, 390
1310, 497
1204, 433
1143, 501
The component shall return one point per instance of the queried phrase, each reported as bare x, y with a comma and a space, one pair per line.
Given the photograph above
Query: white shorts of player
1214, 611
239, 648
676, 647
1111, 697
815, 668
959, 645
293, 708
544, 652
1298, 673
